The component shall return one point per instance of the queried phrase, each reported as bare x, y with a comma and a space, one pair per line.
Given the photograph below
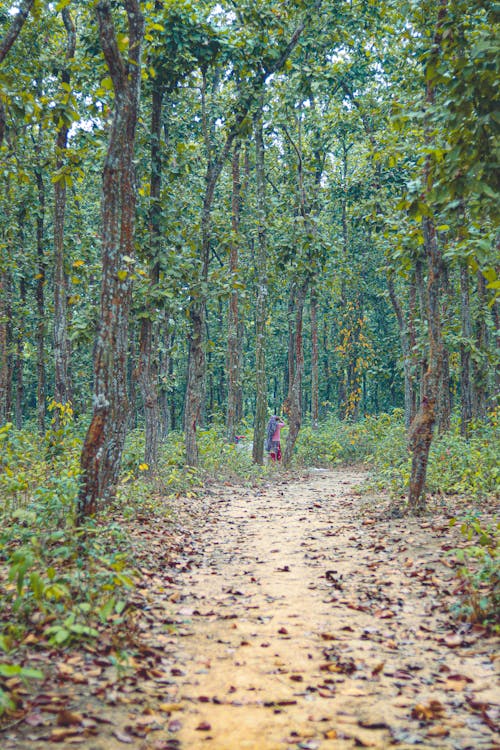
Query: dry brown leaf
168, 708
438, 731
67, 718
429, 711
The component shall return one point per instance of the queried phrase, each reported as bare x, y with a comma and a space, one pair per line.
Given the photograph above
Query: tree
102, 449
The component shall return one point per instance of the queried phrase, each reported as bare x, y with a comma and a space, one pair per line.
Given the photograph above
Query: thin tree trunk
40, 303
314, 361
102, 450
61, 342
295, 387
465, 349
421, 430
406, 351
20, 338
165, 378
480, 384
5, 347
262, 296
233, 348
148, 362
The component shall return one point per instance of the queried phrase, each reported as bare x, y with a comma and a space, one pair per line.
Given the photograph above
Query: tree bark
480, 370
61, 342
40, 302
404, 336
262, 296
148, 361
465, 349
5, 346
295, 388
421, 430
314, 361
233, 347
102, 450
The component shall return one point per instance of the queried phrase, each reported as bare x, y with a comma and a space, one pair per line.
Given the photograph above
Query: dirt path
299, 620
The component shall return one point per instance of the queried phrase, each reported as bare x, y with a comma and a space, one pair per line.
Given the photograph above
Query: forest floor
295, 615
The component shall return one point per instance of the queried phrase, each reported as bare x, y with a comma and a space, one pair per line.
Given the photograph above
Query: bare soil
296, 615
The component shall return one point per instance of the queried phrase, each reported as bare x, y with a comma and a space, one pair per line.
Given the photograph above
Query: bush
480, 571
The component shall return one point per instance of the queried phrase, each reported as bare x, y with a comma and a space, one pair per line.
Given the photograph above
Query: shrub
479, 596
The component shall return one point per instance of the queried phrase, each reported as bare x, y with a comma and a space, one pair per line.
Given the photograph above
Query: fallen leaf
203, 726
168, 708
123, 737
67, 718
428, 712
438, 731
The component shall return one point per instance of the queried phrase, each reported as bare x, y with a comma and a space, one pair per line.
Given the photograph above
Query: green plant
9, 671
479, 571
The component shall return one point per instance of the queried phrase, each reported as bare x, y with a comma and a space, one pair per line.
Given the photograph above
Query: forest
216, 212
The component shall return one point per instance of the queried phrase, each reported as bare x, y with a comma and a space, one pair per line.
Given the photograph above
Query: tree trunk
465, 349
40, 303
102, 450
314, 361
295, 388
61, 342
480, 370
421, 430
20, 338
406, 351
5, 347
262, 295
165, 378
148, 362
233, 345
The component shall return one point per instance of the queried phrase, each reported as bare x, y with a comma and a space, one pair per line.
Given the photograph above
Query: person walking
273, 440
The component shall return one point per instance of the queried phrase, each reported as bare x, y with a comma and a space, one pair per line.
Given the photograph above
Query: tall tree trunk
165, 377
295, 387
465, 350
314, 361
20, 337
421, 431
5, 346
262, 295
40, 303
102, 450
61, 342
233, 346
480, 386
148, 361
406, 351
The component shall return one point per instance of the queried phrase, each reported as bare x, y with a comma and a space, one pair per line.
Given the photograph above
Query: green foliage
480, 571
7, 672
345, 442
457, 465
226, 461
57, 581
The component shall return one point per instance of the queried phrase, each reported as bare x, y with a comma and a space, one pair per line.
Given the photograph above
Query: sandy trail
311, 625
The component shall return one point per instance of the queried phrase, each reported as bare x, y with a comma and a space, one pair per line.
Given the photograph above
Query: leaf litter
291, 615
